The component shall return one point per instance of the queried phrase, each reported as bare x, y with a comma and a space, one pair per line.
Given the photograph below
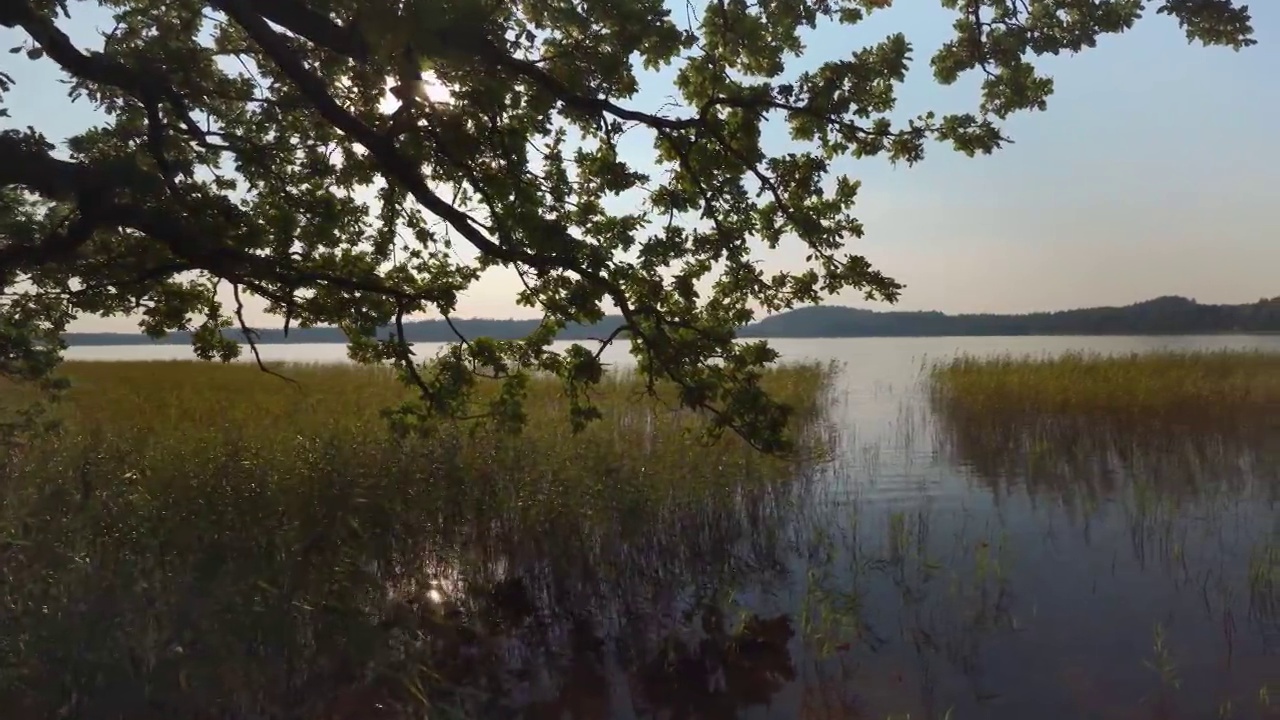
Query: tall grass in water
208, 541
1083, 425
1180, 452
1168, 384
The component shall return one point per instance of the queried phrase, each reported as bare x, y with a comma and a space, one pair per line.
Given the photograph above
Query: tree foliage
249, 144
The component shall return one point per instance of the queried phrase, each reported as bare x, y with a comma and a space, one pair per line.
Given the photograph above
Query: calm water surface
939, 568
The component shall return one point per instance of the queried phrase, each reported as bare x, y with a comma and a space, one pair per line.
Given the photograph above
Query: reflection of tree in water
568, 622
723, 673
712, 677
584, 685
642, 642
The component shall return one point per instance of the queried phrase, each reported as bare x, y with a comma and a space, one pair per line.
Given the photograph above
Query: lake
935, 569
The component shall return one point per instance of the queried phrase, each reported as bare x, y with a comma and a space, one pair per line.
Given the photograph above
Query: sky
1152, 173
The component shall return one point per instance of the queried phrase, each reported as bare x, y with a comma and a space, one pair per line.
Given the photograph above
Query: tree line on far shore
1170, 315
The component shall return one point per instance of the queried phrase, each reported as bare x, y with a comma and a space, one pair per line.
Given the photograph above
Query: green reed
1143, 384
209, 541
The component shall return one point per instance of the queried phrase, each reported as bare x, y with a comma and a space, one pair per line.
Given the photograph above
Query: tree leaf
295, 180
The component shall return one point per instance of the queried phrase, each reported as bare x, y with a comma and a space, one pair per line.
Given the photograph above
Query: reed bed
209, 541
1086, 426
1157, 384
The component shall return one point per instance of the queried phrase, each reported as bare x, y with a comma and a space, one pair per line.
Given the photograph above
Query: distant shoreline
1166, 316
128, 339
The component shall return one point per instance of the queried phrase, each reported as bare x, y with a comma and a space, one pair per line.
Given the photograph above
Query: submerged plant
1162, 659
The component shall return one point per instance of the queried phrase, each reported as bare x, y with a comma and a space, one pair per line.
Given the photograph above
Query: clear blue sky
1153, 172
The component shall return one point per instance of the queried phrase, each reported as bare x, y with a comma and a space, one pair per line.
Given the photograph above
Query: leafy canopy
250, 145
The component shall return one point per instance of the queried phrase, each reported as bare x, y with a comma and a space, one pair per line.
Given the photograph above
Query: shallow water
936, 569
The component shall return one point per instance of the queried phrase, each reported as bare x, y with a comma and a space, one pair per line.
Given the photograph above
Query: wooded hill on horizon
1168, 315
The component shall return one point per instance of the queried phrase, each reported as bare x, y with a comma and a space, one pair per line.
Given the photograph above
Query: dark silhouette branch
251, 337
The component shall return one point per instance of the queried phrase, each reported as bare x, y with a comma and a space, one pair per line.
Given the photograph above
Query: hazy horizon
1149, 175
881, 307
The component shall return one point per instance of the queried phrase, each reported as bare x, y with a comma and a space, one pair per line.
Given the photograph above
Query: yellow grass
1140, 384
1083, 427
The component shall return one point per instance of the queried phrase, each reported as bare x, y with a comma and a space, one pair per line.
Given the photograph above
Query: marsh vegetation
1179, 386
210, 542
210, 538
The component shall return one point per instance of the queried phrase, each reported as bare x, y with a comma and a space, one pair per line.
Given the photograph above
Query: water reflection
1084, 460
1161, 531
957, 567
1092, 570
